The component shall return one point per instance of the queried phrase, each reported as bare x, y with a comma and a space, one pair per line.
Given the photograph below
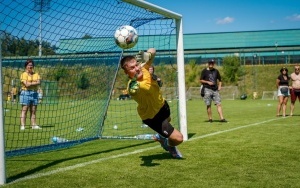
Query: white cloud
295, 17
225, 20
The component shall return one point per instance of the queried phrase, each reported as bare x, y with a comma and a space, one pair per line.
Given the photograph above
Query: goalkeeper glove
133, 86
143, 57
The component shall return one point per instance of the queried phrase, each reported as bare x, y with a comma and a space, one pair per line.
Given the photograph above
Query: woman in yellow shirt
30, 82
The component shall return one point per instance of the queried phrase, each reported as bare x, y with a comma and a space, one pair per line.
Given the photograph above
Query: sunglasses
297, 69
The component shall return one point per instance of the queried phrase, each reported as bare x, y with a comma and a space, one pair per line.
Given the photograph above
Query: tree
14, 46
231, 69
83, 82
87, 36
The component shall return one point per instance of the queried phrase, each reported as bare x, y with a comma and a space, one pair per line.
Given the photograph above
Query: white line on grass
233, 129
129, 153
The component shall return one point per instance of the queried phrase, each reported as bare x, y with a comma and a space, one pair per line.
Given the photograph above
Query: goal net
227, 93
72, 46
269, 95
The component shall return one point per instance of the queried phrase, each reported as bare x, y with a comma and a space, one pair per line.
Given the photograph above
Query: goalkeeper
152, 107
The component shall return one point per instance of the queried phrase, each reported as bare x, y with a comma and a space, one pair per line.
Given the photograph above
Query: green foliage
193, 74
87, 36
231, 69
83, 82
12, 46
60, 72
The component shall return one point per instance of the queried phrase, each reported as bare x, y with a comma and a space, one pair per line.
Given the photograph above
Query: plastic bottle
79, 129
56, 139
145, 136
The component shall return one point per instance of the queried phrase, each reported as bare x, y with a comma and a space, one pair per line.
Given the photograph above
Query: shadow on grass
190, 135
55, 162
148, 160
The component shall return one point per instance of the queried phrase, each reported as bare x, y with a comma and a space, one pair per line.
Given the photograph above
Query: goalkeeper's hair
126, 59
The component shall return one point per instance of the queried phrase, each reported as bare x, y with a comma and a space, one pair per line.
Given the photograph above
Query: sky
211, 16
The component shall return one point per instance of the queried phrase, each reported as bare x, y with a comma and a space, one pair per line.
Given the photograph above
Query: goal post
2, 132
79, 68
180, 58
73, 48
269, 95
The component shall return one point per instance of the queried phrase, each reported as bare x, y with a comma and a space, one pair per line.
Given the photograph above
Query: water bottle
56, 139
79, 129
144, 126
145, 136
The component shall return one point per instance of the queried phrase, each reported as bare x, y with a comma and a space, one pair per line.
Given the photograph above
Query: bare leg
23, 115
279, 105
219, 108
33, 114
208, 108
175, 138
285, 100
292, 108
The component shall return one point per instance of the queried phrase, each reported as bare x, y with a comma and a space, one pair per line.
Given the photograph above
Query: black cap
211, 61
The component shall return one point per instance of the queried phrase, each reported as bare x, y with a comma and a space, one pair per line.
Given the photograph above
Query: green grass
255, 149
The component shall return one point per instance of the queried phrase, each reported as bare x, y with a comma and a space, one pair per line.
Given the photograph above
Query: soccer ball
126, 37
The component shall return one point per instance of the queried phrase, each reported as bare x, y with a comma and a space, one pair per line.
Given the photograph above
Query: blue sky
210, 16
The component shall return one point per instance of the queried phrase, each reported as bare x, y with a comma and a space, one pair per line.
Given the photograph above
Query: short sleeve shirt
282, 81
148, 97
25, 77
210, 75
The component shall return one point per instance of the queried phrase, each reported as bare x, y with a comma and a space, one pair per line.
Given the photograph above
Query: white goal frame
269, 95
180, 58
177, 19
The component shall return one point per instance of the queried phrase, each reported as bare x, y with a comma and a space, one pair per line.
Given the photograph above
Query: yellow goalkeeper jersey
149, 96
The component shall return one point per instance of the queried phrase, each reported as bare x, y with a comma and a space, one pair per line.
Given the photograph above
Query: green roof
288, 40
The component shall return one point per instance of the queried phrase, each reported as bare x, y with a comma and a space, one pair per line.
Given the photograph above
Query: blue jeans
29, 97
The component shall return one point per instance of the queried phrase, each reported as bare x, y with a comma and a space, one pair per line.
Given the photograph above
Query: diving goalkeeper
152, 107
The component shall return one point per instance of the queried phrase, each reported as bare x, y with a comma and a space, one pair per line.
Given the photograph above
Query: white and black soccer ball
126, 37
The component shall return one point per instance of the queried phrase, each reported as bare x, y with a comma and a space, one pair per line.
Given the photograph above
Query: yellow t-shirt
25, 77
149, 96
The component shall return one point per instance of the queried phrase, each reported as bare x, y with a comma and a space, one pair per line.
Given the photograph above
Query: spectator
30, 81
211, 80
124, 95
8, 99
282, 84
14, 92
155, 77
295, 89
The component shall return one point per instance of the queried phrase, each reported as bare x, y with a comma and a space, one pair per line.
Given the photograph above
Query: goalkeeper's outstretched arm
152, 52
146, 57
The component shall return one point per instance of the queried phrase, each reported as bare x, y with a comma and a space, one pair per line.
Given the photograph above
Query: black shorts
160, 122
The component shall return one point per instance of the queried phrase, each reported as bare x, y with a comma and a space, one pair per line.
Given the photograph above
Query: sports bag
202, 91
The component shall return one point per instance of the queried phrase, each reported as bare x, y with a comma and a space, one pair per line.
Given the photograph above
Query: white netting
269, 95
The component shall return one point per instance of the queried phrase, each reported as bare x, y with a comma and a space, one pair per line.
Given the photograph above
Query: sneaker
223, 121
22, 128
175, 152
36, 127
162, 140
210, 120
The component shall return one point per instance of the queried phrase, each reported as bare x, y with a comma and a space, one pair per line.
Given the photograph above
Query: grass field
255, 149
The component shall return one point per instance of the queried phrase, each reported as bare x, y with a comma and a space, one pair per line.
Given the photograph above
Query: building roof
259, 41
